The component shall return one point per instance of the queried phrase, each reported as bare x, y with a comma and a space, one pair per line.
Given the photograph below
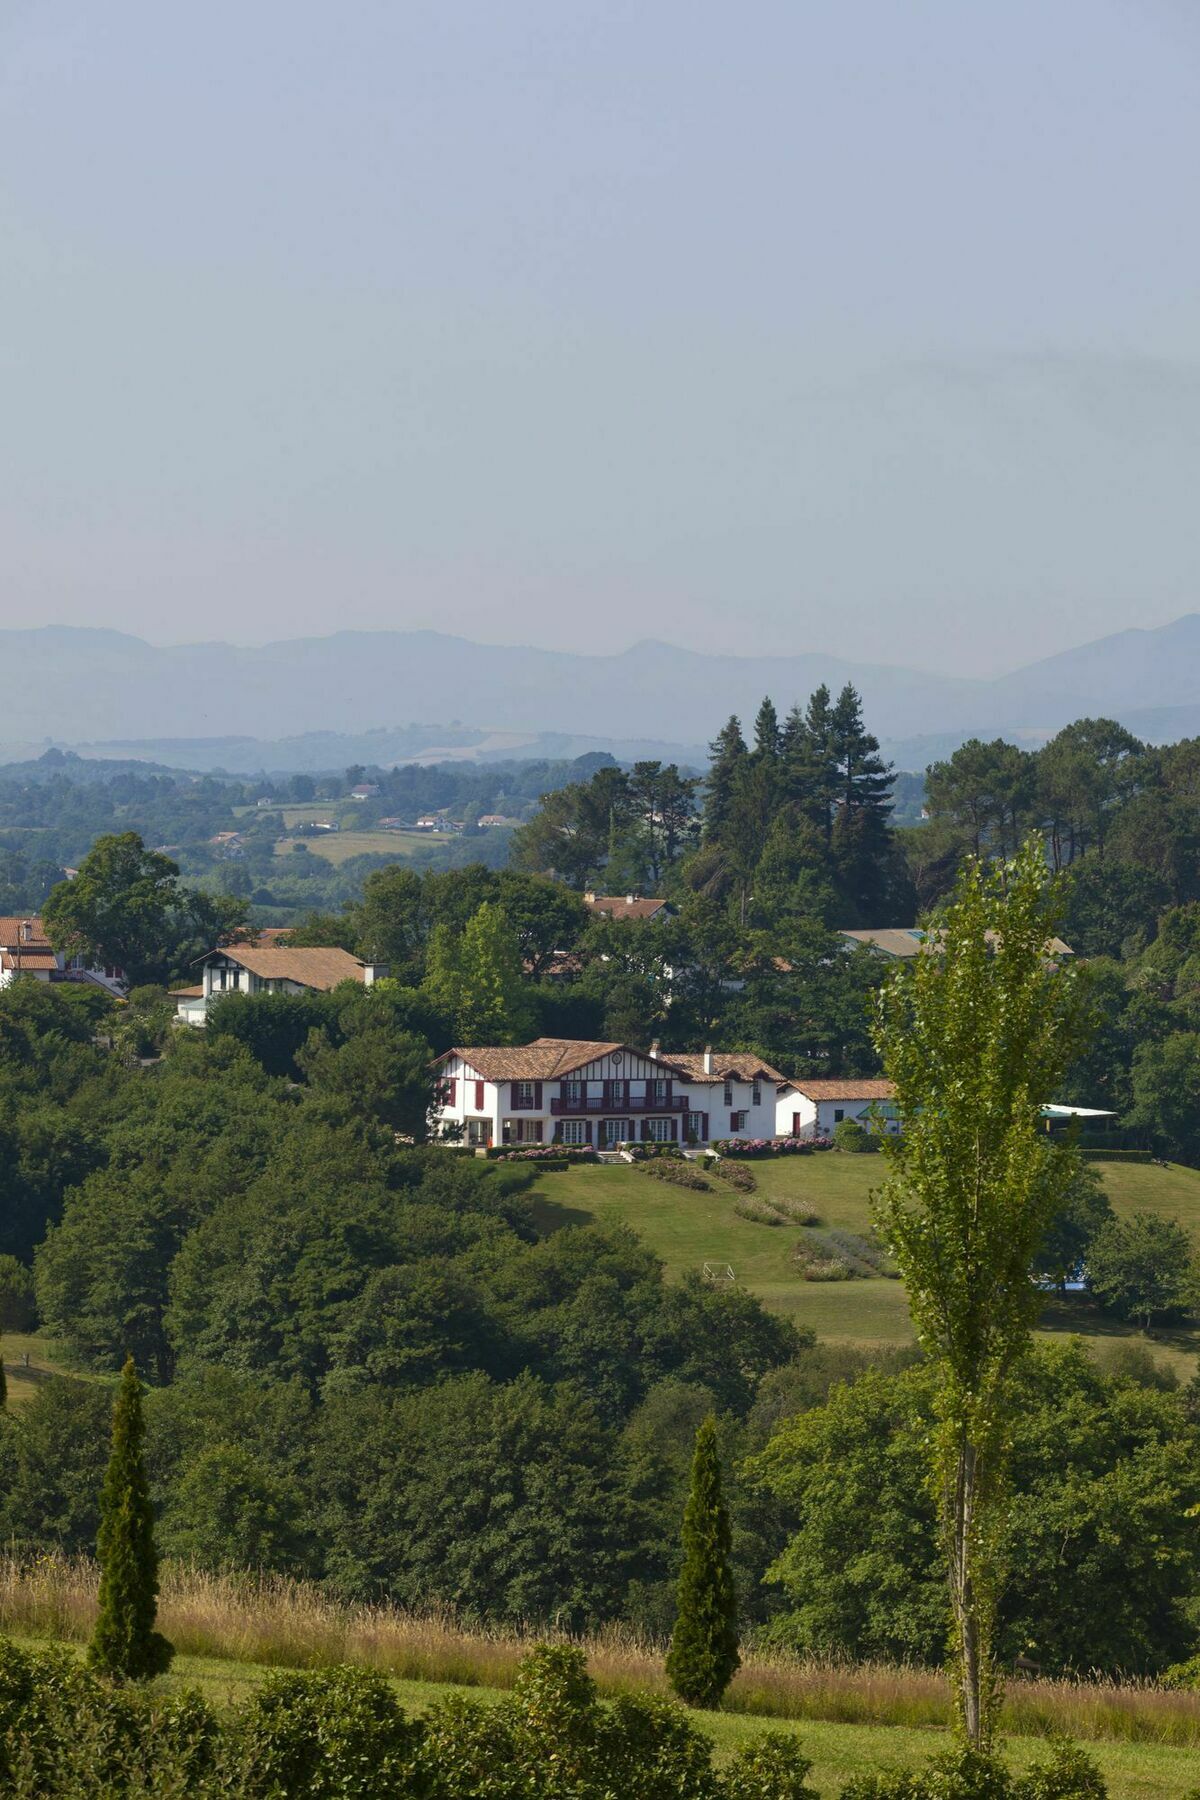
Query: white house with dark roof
564, 1091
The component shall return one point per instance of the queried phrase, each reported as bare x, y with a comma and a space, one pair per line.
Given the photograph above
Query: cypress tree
124, 1643
704, 1647
3, 1382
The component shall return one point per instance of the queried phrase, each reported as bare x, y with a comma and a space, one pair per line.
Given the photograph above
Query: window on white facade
523, 1093
479, 1131
616, 1131
695, 1126
757, 1095
729, 1093
574, 1131
660, 1130
839, 1113
737, 1121
573, 1091
658, 1089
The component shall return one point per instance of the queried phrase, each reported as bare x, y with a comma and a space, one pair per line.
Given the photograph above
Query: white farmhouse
270, 968
813, 1108
564, 1091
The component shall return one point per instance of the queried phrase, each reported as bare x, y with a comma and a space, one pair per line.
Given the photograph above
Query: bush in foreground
1067, 1774
67, 1735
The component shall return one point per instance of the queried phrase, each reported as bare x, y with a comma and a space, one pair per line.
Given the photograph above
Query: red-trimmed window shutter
448, 1091
587, 1131
537, 1096
479, 1096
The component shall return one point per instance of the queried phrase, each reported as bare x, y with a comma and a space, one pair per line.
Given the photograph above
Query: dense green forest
305, 1294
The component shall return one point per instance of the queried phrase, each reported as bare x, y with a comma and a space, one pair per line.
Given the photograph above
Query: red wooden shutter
733, 1121
587, 1131
537, 1096
674, 1131
795, 1124
479, 1096
645, 1130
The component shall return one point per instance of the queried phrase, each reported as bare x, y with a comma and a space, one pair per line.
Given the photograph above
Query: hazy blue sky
861, 324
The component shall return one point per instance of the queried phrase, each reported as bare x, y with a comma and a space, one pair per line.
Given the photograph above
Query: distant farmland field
338, 847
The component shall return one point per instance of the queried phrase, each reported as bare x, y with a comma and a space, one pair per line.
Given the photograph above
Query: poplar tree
976, 1034
703, 1657
124, 1642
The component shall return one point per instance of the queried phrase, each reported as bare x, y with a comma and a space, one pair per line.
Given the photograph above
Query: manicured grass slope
1133, 1771
687, 1229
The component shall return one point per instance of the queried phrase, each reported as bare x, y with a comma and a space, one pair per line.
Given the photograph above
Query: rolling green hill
688, 1229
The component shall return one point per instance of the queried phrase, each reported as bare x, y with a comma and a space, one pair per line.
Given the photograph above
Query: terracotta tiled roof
312, 967
622, 906
740, 1064
10, 934
28, 958
188, 993
853, 1087
543, 1060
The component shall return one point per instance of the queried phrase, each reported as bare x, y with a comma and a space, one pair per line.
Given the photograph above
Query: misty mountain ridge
291, 703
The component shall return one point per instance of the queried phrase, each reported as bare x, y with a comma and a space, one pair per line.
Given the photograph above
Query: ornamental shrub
680, 1174
736, 1174
703, 1657
848, 1134
124, 1642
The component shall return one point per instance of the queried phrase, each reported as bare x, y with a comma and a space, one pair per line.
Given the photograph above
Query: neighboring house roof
311, 967
11, 931
543, 1060
187, 993
28, 958
741, 1065
909, 940
623, 906
853, 1087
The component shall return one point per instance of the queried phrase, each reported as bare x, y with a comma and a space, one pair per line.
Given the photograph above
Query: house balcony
595, 1104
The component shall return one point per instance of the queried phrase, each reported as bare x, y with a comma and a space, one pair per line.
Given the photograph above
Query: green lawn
43, 1362
838, 1751
688, 1229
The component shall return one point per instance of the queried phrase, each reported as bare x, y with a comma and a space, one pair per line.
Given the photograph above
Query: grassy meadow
230, 1632
688, 1229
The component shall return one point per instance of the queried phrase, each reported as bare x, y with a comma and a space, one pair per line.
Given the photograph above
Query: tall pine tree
728, 751
766, 730
703, 1657
124, 1643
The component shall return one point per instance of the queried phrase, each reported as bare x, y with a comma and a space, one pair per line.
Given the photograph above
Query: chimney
26, 932
708, 1059
589, 898
629, 899
654, 1050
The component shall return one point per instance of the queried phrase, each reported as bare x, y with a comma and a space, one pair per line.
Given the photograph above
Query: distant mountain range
321, 702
